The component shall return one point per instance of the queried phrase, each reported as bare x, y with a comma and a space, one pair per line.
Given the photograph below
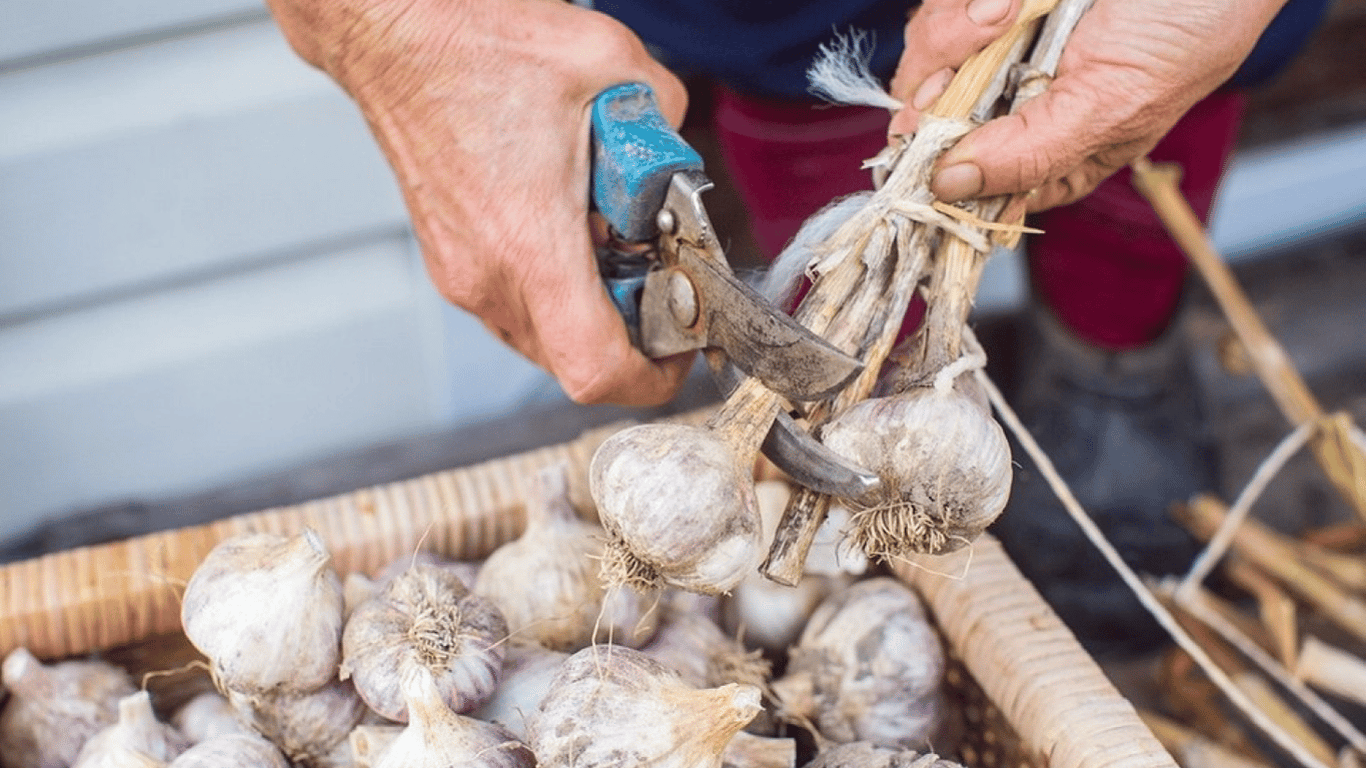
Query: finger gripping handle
635, 154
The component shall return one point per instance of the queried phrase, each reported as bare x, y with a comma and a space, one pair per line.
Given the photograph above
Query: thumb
1046, 140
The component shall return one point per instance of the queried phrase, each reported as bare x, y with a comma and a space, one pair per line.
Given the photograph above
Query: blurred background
210, 300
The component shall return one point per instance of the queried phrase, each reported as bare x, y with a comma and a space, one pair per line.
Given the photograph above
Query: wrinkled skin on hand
481, 108
1131, 69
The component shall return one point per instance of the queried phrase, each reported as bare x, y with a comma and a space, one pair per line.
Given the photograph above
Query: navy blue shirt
764, 47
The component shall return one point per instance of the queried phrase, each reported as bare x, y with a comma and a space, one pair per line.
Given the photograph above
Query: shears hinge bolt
682, 300
666, 221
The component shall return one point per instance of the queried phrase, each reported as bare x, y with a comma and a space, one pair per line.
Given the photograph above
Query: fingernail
958, 182
986, 13
931, 89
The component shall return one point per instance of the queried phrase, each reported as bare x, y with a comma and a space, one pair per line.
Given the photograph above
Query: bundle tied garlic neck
944, 462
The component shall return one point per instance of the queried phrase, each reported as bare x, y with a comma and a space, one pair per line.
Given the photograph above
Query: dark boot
1124, 429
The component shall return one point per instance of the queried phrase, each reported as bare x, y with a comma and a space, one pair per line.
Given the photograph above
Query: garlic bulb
614, 706
678, 506
467, 570
770, 615
53, 709
436, 737
704, 656
307, 727
546, 582
426, 617
746, 750
207, 715
869, 667
528, 670
861, 754
231, 750
944, 463
267, 611
136, 737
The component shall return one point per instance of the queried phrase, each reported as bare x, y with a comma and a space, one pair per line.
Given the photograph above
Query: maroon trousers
1104, 265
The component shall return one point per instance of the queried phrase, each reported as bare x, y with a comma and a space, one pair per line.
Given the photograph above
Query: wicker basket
1028, 693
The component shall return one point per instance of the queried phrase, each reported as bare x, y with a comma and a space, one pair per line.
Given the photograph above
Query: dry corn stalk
1339, 445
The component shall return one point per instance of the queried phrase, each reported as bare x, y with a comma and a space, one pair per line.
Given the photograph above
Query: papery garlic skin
546, 581
869, 667
207, 715
368, 743
614, 706
528, 671
746, 750
231, 750
137, 731
52, 710
425, 617
307, 727
436, 737
267, 611
944, 463
679, 508
861, 754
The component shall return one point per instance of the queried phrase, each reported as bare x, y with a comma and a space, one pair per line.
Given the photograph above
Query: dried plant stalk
1338, 447
1332, 669
1193, 749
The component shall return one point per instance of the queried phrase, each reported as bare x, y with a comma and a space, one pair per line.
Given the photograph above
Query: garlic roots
546, 582
426, 617
944, 463
436, 737
137, 737
267, 611
678, 506
869, 667
52, 710
613, 706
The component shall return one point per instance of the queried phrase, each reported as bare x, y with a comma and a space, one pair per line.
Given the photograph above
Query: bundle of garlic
425, 618
614, 706
138, 738
52, 710
546, 582
437, 737
869, 667
267, 612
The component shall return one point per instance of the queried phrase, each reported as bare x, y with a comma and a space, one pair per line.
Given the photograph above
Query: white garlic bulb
206, 715
267, 611
53, 709
528, 670
944, 463
136, 737
861, 754
546, 582
869, 667
614, 706
426, 617
231, 750
678, 505
436, 737
307, 727
704, 656
770, 615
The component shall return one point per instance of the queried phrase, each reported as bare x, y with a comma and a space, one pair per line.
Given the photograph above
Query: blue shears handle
635, 156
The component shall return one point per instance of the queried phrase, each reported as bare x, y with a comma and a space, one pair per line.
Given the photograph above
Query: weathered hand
1131, 69
481, 107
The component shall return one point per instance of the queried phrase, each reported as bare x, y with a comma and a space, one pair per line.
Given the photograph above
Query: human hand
1131, 69
481, 108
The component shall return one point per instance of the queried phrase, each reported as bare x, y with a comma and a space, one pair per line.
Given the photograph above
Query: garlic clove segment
436, 737
231, 750
944, 463
614, 706
267, 611
137, 736
426, 617
679, 508
869, 667
53, 709
546, 581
